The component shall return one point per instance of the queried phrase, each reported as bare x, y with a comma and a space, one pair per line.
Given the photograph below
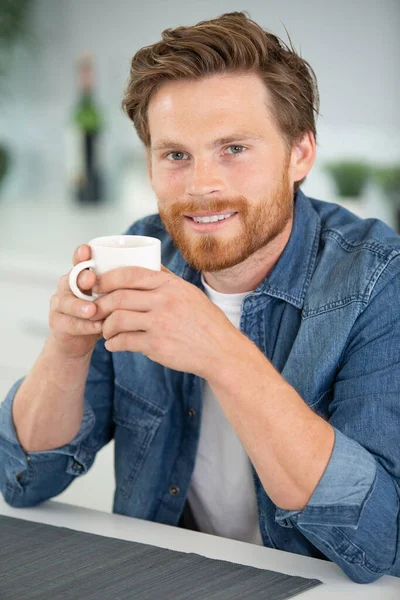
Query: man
252, 386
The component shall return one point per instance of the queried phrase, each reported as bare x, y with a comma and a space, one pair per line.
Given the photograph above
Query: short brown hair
230, 43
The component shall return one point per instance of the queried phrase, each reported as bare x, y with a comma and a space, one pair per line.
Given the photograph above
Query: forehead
212, 104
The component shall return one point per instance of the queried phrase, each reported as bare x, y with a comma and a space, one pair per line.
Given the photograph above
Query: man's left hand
164, 317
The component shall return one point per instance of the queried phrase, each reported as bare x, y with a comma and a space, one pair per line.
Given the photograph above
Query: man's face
215, 149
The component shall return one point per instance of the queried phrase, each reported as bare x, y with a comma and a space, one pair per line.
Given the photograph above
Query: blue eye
176, 154
237, 147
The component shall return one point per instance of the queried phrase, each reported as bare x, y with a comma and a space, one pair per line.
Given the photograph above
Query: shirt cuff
342, 490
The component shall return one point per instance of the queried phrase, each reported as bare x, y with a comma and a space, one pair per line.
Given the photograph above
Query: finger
137, 278
133, 300
86, 280
67, 324
121, 321
82, 252
68, 304
63, 285
132, 342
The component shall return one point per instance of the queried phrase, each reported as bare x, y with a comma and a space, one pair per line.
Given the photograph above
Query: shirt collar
291, 275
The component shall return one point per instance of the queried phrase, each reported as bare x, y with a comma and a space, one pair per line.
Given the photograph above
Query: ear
302, 156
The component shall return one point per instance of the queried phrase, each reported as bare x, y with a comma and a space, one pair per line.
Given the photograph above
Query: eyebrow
242, 136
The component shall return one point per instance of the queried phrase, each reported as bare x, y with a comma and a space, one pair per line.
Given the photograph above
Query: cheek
252, 180
167, 183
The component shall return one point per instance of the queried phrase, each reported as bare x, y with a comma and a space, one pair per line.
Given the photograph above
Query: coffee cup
114, 251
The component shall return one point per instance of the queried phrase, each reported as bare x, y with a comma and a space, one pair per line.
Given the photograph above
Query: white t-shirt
222, 493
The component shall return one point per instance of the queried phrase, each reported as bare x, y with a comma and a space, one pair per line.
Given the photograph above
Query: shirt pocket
136, 423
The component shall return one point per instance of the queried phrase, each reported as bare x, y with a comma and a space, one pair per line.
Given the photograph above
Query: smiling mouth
210, 225
213, 218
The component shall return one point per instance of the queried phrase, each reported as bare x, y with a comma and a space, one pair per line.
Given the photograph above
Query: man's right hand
74, 331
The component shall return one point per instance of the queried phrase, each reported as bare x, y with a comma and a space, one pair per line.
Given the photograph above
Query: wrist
237, 355
54, 350
66, 373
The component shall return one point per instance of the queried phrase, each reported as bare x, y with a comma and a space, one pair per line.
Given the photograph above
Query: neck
247, 275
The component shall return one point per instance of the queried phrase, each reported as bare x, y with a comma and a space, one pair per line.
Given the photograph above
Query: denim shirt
327, 318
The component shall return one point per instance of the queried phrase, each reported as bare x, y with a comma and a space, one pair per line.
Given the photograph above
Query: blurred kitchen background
63, 67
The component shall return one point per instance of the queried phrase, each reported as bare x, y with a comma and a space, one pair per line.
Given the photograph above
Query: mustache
177, 210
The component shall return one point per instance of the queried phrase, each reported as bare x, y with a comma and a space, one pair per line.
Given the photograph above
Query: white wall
354, 48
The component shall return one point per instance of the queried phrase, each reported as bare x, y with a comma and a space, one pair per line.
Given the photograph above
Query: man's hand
74, 326
164, 317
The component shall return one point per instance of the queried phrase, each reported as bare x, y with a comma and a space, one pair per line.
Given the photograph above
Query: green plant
4, 161
13, 28
388, 178
350, 176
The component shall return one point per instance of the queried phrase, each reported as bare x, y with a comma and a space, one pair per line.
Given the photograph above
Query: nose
204, 178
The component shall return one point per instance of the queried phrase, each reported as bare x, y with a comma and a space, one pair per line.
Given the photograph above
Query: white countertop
337, 585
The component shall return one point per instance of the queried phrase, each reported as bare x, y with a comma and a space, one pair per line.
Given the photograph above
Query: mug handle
73, 276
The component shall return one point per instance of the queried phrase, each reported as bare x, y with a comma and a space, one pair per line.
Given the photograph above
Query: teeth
212, 219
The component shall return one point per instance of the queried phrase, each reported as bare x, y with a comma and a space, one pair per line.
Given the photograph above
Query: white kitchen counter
337, 585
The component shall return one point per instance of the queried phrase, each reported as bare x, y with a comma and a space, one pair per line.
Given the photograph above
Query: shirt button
174, 490
191, 412
78, 465
28, 459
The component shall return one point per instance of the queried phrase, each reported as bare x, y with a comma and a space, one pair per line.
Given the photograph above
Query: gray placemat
43, 562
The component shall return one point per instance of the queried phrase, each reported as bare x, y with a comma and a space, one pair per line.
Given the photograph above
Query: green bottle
86, 127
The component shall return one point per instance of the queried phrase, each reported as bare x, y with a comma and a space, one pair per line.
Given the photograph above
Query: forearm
288, 444
48, 407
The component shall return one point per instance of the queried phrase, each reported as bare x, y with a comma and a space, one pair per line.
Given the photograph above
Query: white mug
114, 251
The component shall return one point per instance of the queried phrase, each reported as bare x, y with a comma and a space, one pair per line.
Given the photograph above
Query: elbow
359, 574
16, 498
362, 560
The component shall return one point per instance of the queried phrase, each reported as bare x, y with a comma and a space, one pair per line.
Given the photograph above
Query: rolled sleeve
28, 478
342, 490
353, 513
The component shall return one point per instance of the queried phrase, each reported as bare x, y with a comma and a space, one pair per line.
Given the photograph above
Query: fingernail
85, 309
